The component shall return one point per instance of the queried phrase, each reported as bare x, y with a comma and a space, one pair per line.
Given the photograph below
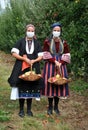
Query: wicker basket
59, 81
30, 76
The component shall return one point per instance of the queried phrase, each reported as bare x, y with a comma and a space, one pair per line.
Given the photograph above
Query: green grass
79, 86
4, 116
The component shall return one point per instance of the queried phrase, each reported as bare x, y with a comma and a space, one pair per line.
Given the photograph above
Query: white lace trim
40, 54
32, 47
15, 50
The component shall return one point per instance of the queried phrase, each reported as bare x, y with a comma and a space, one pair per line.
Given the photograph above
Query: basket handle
59, 68
31, 67
60, 71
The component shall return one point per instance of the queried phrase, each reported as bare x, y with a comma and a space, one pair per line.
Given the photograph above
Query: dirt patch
75, 111
6, 58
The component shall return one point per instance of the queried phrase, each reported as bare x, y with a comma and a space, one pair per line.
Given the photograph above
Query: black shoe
21, 113
29, 113
56, 110
49, 111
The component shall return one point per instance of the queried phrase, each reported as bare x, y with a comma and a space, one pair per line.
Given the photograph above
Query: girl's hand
27, 60
58, 64
32, 62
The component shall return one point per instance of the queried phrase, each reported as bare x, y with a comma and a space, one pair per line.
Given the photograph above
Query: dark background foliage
72, 14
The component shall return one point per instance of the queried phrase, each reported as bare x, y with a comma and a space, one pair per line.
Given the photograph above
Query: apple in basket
23, 75
33, 72
29, 72
53, 79
57, 76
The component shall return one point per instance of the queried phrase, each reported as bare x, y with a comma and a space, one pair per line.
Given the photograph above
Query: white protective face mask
30, 34
56, 33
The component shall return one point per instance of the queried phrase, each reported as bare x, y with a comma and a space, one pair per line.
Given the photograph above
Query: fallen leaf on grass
51, 116
44, 122
47, 115
57, 121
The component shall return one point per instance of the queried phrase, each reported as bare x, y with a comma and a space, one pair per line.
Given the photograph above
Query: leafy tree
73, 15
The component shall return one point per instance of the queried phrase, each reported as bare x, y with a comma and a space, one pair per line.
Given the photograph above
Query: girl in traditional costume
56, 54
27, 52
